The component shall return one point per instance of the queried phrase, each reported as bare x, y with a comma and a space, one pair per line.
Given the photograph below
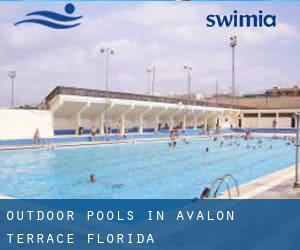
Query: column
205, 123
184, 122
77, 116
277, 120
101, 124
141, 124
122, 132
242, 119
195, 122
156, 122
258, 119
171, 122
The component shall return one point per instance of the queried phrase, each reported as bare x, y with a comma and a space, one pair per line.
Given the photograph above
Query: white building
70, 109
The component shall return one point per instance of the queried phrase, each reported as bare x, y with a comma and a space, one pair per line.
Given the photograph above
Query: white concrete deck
277, 185
90, 143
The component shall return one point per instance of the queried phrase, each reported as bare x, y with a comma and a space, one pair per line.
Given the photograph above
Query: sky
165, 35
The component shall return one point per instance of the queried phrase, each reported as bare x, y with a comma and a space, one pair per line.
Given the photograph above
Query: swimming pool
147, 170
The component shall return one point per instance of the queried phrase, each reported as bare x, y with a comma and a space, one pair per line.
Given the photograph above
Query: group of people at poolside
174, 135
107, 130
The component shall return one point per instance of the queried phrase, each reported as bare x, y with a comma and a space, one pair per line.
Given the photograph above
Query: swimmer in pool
92, 178
117, 185
205, 194
185, 141
207, 149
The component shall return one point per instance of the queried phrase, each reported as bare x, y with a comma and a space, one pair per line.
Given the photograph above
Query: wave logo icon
53, 20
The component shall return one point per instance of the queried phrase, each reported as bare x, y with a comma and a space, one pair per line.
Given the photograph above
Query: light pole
297, 181
217, 91
153, 78
233, 44
107, 51
153, 72
188, 69
149, 72
12, 75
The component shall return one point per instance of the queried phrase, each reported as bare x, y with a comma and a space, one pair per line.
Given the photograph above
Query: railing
130, 96
220, 182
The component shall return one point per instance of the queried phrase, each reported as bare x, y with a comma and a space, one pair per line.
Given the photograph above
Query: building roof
60, 90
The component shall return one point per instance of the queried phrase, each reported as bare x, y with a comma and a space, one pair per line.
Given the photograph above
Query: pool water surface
143, 170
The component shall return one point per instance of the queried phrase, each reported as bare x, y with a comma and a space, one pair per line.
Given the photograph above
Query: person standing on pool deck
36, 137
93, 132
119, 127
274, 124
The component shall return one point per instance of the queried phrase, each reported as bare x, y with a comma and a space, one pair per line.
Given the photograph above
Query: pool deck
277, 185
98, 142
5, 197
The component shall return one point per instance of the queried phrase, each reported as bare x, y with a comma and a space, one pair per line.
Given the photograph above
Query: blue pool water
147, 170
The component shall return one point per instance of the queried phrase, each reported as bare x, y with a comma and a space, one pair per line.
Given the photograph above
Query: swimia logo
52, 19
242, 20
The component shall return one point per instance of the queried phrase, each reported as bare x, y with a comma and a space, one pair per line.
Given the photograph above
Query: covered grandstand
75, 108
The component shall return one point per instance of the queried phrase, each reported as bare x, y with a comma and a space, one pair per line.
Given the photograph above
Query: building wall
262, 102
250, 122
64, 123
266, 122
284, 122
22, 124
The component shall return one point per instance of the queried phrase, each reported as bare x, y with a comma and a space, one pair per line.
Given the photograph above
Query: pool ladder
223, 180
